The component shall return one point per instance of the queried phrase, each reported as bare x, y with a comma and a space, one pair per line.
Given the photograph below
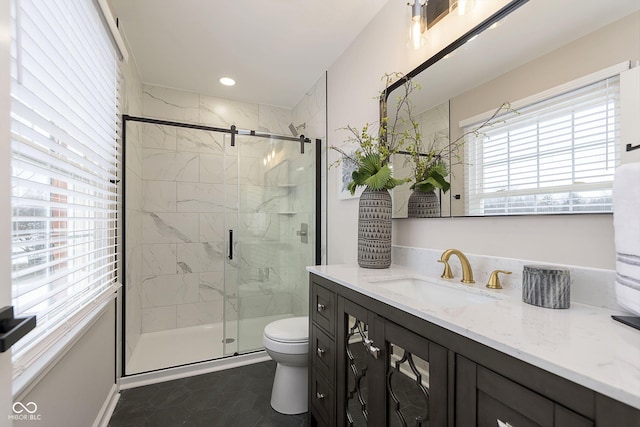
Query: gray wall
75, 388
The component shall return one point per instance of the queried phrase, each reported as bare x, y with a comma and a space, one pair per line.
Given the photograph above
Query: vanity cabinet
384, 374
372, 364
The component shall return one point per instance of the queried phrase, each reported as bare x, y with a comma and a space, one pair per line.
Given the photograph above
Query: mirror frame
500, 14
497, 16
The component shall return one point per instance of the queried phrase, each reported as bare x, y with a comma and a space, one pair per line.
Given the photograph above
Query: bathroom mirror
528, 48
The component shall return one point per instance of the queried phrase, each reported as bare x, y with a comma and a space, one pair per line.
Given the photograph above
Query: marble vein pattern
170, 227
226, 112
198, 197
159, 259
166, 290
200, 141
165, 165
159, 196
165, 103
159, 136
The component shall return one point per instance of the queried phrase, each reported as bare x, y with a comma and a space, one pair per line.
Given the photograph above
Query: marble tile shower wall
131, 103
185, 205
311, 112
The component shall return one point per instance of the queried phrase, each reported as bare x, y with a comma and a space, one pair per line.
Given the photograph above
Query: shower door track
233, 131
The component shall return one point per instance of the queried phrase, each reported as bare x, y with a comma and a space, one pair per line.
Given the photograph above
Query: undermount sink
425, 291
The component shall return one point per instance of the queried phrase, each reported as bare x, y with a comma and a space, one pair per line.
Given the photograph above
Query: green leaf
440, 182
352, 187
379, 180
371, 164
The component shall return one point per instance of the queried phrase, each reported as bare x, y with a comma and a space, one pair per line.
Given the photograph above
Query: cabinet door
486, 399
416, 379
360, 379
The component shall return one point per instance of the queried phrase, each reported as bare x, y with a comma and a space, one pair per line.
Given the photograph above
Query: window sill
50, 355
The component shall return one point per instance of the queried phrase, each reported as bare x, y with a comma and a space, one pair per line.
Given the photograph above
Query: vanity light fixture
227, 81
462, 6
418, 24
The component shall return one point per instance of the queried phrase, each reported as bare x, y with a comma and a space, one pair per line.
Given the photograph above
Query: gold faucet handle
494, 280
446, 274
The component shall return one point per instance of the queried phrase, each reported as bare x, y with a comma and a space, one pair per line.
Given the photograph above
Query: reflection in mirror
357, 362
434, 128
515, 61
408, 388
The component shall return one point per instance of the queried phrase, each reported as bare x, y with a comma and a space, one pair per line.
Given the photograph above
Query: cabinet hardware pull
321, 308
320, 352
320, 395
374, 351
503, 423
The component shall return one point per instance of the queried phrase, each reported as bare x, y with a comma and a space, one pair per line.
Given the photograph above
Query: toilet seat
290, 330
287, 336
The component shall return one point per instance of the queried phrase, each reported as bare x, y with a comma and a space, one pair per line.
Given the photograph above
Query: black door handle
230, 245
12, 329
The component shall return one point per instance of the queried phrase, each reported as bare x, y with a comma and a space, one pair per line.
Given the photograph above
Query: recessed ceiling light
227, 81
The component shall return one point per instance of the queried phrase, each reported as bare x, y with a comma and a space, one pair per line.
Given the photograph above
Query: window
555, 155
65, 161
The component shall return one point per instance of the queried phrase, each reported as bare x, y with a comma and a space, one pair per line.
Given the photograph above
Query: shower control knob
320, 352
321, 308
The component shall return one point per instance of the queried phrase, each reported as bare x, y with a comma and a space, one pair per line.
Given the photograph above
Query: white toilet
287, 342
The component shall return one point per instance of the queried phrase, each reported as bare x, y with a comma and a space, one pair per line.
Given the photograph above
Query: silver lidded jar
546, 286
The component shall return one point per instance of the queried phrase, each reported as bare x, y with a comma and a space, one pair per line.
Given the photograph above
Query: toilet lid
292, 329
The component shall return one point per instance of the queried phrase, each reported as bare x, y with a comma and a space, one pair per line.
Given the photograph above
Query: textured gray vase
374, 229
424, 205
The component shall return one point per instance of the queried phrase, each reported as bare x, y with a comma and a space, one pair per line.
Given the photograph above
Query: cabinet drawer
509, 402
322, 350
322, 398
323, 308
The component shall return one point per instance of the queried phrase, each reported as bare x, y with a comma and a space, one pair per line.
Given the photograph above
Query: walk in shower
219, 226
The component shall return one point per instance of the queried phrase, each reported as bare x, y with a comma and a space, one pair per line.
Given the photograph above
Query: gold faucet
467, 274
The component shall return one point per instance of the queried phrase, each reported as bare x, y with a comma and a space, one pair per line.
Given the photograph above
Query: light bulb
417, 25
417, 41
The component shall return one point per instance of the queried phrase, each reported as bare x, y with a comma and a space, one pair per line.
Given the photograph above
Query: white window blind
557, 155
65, 161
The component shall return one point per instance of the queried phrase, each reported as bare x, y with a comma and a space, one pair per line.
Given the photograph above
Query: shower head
295, 130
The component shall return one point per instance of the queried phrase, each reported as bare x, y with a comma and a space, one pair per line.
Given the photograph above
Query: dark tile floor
234, 397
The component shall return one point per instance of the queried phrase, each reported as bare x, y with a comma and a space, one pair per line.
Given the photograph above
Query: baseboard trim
192, 370
104, 416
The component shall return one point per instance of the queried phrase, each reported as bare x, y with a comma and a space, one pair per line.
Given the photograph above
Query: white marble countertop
582, 344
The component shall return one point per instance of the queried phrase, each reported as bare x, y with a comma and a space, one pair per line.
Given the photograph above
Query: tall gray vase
374, 229
423, 204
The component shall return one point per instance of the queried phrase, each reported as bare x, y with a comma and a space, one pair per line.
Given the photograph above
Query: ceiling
274, 49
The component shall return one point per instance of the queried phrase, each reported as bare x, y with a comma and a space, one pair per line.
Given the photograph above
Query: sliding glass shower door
217, 237
274, 238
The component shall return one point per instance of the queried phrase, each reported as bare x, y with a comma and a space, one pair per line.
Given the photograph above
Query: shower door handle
230, 245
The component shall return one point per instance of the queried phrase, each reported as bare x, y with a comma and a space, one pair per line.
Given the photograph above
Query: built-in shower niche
212, 253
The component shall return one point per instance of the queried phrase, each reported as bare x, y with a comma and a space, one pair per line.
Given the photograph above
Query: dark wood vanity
376, 365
